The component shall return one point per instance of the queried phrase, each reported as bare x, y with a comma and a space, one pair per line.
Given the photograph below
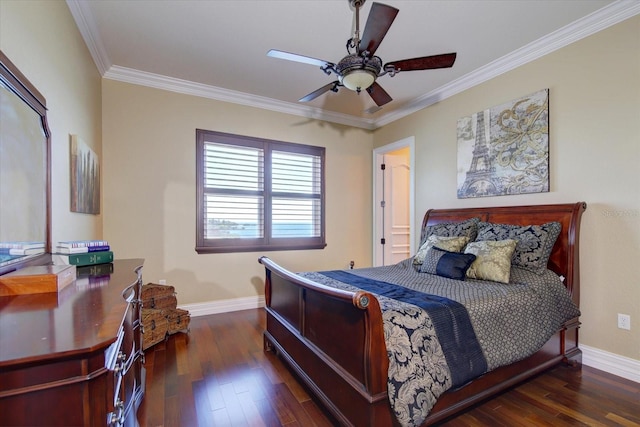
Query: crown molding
187, 87
612, 14
89, 30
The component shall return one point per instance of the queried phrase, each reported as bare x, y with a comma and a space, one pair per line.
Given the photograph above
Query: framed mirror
25, 172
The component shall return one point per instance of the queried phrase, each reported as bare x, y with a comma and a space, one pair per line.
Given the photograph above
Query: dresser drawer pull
117, 416
122, 357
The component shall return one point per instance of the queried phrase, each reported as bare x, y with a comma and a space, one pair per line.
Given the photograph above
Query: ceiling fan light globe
358, 80
358, 73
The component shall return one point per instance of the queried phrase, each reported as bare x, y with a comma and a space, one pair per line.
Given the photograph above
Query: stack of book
21, 248
83, 252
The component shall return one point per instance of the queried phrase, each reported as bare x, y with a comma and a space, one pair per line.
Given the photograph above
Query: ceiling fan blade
379, 95
297, 58
378, 23
424, 63
316, 93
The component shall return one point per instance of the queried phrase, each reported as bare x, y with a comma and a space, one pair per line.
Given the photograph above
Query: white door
393, 205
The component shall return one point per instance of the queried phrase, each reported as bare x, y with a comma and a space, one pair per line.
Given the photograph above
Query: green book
89, 258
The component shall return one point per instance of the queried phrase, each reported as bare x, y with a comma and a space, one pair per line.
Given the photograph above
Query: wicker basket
155, 326
178, 320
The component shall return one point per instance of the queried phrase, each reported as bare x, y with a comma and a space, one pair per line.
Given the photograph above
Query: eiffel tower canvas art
505, 149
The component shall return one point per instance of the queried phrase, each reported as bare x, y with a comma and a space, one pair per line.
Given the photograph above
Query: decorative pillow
453, 265
534, 242
467, 228
493, 260
451, 244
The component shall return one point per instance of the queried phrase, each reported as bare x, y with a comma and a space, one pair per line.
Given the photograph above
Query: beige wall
42, 40
594, 157
150, 189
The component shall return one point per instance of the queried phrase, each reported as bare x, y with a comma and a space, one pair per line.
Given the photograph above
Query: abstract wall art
85, 178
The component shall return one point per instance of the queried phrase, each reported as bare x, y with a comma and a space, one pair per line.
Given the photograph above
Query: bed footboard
334, 341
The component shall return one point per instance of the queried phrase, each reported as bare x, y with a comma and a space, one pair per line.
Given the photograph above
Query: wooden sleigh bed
333, 339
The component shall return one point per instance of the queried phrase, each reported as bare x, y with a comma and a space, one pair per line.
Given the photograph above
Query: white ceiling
217, 48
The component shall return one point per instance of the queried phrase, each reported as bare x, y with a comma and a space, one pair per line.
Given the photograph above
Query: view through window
258, 194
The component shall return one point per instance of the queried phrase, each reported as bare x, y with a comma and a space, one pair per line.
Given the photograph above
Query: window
258, 195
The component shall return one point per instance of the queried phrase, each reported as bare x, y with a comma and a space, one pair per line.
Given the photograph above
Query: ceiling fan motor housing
357, 72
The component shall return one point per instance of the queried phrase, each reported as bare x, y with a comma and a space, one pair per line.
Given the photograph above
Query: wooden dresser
74, 358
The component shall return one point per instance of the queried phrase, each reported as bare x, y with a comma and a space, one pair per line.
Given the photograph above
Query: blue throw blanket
450, 319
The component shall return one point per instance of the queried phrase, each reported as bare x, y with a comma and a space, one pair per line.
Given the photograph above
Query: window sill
230, 249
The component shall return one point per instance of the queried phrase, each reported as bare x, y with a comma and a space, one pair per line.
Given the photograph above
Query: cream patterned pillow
451, 244
493, 259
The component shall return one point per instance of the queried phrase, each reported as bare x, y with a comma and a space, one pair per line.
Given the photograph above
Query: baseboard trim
620, 366
223, 306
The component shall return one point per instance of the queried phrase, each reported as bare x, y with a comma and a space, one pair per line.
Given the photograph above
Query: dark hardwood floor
219, 375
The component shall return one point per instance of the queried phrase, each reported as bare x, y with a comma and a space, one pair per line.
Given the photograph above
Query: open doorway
393, 204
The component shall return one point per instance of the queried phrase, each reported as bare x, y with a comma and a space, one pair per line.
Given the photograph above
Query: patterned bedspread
510, 322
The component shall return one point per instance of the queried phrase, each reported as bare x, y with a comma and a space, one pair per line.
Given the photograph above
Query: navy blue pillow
453, 265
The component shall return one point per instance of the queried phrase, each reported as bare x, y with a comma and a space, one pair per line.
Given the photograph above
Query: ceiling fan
360, 68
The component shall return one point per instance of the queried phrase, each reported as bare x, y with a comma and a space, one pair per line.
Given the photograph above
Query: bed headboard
564, 259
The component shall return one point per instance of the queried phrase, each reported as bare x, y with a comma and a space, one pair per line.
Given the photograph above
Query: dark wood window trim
273, 193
